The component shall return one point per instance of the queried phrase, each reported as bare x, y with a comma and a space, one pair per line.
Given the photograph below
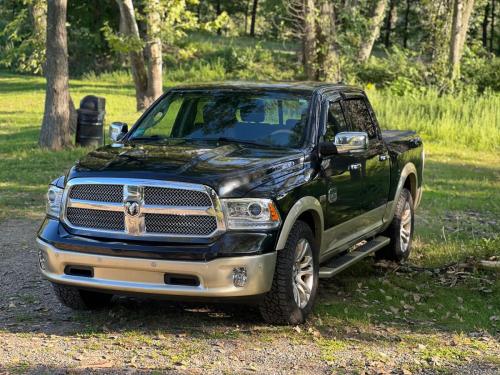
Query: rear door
374, 163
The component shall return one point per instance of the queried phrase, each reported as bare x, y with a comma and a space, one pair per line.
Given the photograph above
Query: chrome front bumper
136, 275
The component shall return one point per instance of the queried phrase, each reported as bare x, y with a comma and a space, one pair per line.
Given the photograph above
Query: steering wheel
282, 131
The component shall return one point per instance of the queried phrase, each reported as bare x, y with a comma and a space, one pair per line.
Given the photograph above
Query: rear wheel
79, 299
295, 282
400, 230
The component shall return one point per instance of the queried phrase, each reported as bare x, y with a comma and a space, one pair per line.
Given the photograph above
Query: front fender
304, 204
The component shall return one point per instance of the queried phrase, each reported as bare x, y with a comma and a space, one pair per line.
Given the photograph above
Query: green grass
457, 221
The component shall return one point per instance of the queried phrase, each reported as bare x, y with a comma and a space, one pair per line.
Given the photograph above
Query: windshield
266, 118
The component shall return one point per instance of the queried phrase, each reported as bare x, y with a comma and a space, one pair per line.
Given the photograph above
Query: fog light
240, 277
42, 259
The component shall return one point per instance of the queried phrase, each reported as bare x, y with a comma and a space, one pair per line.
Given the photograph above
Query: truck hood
231, 169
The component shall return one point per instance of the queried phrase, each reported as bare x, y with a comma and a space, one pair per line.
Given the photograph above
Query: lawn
437, 309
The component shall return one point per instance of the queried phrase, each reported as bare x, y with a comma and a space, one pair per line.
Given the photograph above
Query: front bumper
136, 275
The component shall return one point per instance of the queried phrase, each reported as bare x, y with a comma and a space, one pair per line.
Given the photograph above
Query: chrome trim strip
135, 226
137, 275
94, 205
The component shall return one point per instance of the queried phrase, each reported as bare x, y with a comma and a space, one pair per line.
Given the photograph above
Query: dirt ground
39, 335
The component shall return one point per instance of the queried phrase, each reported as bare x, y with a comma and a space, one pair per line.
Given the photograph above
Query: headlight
250, 213
54, 199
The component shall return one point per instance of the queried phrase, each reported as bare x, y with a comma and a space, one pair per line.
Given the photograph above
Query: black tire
79, 299
278, 306
397, 250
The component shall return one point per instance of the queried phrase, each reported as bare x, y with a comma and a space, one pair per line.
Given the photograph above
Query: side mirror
117, 130
351, 142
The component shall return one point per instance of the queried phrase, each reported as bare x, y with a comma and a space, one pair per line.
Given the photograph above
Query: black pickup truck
233, 191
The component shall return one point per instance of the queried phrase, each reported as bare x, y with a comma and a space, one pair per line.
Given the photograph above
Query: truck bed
399, 141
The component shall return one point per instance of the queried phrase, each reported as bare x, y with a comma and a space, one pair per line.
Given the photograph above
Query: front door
344, 177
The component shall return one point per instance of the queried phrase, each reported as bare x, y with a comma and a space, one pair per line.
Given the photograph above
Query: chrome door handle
383, 157
355, 167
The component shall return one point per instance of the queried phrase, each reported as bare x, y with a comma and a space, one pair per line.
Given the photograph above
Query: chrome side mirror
117, 130
351, 142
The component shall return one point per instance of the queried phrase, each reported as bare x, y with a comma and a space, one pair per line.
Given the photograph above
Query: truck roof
292, 86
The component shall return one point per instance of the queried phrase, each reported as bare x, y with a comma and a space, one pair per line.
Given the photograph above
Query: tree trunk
154, 51
137, 65
55, 132
309, 39
462, 10
254, 16
374, 30
456, 29
407, 21
38, 13
247, 4
492, 25
485, 25
327, 57
391, 22
217, 14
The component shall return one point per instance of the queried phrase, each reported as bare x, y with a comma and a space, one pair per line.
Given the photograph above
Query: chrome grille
94, 192
175, 224
151, 209
175, 197
106, 220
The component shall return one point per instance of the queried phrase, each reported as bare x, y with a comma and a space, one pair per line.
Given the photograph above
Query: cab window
360, 117
335, 122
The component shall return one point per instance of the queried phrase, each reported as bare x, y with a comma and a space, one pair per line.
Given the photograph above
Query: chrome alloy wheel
303, 273
405, 228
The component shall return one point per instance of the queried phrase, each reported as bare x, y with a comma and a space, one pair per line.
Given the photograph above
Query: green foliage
121, 43
21, 48
452, 119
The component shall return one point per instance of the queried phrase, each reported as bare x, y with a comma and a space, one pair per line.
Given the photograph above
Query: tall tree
309, 39
55, 132
390, 23
462, 10
406, 23
492, 25
373, 30
38, 14
485, 25
154, 50
137, 64
327, 56
254, 17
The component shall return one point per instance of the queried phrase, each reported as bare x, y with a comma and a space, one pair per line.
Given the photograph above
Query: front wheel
79, 299
295, 282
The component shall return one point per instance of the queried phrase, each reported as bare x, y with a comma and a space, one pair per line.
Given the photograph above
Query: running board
341, 263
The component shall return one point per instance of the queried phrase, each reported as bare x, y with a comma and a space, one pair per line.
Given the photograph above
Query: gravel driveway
39, 335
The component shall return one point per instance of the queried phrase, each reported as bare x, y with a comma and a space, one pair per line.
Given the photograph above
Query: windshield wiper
152, 138
229, 140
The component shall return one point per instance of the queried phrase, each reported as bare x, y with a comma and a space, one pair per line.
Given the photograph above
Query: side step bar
341, 263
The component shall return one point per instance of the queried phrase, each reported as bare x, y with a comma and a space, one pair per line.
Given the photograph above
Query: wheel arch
310, 211
408, 179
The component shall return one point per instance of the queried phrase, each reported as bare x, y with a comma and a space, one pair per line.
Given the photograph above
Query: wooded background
402, 45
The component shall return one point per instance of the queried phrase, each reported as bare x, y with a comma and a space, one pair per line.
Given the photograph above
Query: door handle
383, 157
355, 167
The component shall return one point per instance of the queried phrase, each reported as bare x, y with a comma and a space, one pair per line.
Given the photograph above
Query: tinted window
335, 122
267, 118
360, 117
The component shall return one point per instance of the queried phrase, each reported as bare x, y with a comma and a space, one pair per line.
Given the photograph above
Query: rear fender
409, 172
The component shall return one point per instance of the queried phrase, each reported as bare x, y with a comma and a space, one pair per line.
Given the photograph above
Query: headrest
219, 111
253, 110
291, 122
